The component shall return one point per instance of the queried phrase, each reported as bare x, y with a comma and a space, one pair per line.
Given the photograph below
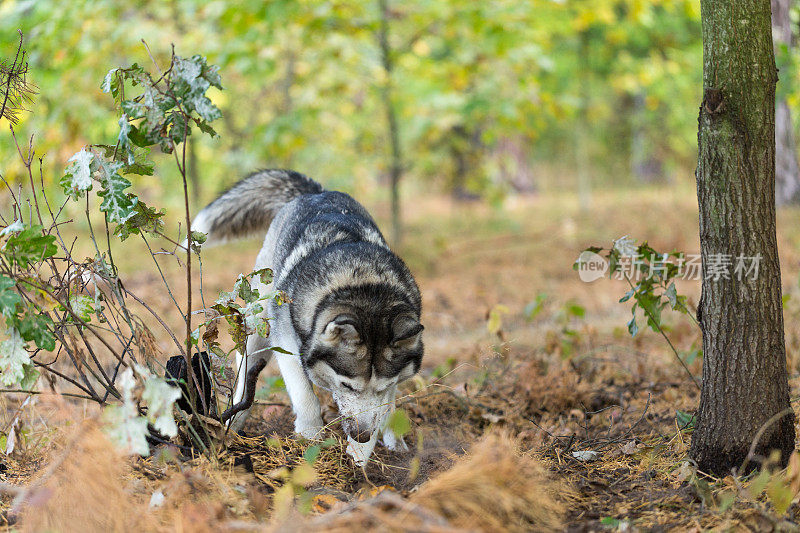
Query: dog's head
360, 357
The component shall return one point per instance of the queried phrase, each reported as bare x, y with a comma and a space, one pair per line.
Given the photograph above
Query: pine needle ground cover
549, 419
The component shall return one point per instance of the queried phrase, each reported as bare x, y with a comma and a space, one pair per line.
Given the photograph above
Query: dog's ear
405, 331
341, 330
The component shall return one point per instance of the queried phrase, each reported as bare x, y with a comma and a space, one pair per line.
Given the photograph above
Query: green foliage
117, 203
616, 523
312, 452
243, 318
9, 299
685, 420
568, 319
772, 484
22, 248
142, 219
399, 423
43, 296
653, 274
28, 246
692, 355
161, 116
14, 360
650, 276
83, 307
470, 79
533, 309
445, 368
37, 328
78, 174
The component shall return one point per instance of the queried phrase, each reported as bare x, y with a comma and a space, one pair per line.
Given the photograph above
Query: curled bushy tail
248, 207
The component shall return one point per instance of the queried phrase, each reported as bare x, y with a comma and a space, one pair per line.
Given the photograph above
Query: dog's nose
357, 432
360, 437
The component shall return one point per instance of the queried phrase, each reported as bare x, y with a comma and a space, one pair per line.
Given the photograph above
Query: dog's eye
348, 387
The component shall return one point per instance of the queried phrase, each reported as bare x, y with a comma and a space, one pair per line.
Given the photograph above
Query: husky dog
352, 321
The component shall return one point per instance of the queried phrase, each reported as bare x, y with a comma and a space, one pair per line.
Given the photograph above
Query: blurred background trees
787, 172
490, 98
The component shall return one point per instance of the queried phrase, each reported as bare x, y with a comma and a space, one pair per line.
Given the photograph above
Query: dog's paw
308, 430
393, 442
359, 451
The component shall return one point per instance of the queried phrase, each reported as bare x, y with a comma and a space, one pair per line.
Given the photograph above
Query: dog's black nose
360, 437
356, 433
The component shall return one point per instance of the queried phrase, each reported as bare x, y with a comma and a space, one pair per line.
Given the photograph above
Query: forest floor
534, 409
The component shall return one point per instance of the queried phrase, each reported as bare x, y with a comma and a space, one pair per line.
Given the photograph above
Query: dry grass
387, 511
611, 394
540, 387
264, 456
496, 488
84, 488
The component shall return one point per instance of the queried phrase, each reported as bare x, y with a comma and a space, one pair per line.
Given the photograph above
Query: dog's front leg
304, 402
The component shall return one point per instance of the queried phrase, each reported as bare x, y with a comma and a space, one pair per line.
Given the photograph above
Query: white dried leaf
11, 440
126, 430
124, 427
13, 358
494, 419
79, 171
586, 455
684, 472
252, 316
108, 80
14, 227
160, 396
626, 246
157, 499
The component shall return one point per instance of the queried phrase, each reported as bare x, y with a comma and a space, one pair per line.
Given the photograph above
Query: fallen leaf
629, 448
157, 499
494, 419
586, 455
322, 503
684, 472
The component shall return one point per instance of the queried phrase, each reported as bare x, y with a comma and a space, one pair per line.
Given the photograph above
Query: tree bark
787, 172
745, 392
645, 166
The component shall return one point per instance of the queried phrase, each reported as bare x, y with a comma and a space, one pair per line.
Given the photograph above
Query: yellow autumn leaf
495, 322
304, 475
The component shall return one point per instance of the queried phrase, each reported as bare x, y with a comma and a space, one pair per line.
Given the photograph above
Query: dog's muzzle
357, 432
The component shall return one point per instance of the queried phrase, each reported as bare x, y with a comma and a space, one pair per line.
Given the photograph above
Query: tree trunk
645, 166
745, 393
582, 132
787, 172
396, 164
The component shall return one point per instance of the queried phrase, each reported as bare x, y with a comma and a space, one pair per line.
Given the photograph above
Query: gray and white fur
352, 323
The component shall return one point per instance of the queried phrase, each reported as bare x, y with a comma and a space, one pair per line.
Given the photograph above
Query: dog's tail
248, 207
